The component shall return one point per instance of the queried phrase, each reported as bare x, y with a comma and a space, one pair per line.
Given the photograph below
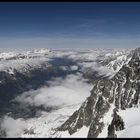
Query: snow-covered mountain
116, 59
24, 60
100, 113
35, 85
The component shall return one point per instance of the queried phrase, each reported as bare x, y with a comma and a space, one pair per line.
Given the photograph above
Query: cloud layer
71, 90
12, 127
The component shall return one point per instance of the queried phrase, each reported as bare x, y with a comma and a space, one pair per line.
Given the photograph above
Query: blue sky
64, 25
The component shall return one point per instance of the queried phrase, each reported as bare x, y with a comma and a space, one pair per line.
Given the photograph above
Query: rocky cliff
119, 92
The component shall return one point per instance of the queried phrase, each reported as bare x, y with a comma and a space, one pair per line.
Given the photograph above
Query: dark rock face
117, 124
122, 91
31, 131
96, 127
90, 113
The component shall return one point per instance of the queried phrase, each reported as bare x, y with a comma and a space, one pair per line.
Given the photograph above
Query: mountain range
111, 88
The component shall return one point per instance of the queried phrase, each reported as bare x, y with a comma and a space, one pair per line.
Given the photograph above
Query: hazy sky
67, 25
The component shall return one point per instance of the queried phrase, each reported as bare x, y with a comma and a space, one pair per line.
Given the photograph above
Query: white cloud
12, 127
93, 66
71, 90
74, 67
64, 68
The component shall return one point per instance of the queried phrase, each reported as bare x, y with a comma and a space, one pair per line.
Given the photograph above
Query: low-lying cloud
88, 60
93, 66
71, 90
12, 127
73, 68
60, 93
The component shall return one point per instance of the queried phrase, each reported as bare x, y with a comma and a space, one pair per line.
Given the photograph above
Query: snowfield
131, 118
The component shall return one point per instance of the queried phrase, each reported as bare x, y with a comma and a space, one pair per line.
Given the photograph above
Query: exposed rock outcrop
117, 124
122, 91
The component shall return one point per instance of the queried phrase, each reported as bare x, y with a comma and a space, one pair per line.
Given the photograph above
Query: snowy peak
116, 59
43, 50
24, 61
22, 55
8, 55
119, 92
135, 58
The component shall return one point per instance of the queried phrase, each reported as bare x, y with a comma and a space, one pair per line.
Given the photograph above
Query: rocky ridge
121, 91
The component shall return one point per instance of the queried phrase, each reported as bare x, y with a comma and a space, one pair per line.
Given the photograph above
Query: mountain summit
99, 112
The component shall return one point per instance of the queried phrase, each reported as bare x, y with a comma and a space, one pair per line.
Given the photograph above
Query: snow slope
44, 126
131, 117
